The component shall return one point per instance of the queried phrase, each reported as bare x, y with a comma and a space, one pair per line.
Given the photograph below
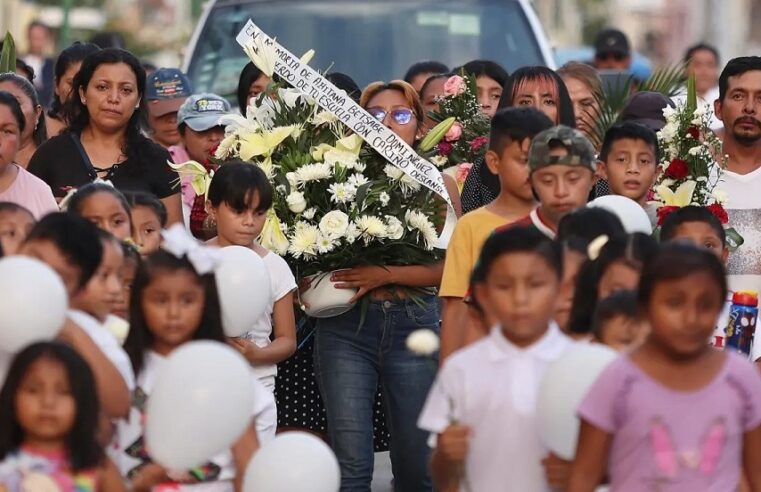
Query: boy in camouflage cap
562, 165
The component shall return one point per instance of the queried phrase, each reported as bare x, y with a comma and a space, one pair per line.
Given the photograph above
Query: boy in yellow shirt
511, 132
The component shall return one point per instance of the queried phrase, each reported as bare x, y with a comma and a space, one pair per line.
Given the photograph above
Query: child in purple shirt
675, 414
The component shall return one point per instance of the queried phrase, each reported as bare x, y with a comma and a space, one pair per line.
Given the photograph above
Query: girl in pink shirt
674, 415
17, 185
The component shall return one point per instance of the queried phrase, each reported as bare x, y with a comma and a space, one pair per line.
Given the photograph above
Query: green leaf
692, 95
667, 81
362, 194
8, 55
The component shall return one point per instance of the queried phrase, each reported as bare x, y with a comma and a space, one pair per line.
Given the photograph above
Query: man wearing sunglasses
612, 51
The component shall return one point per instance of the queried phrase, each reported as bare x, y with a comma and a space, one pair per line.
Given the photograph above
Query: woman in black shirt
104, 140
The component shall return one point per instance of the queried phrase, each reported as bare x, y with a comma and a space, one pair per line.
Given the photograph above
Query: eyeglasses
607, 55
400, 116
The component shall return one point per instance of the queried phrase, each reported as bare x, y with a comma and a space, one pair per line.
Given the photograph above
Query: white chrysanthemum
393, 172
296, 202
423, 342
384, 198
416, 220
669, 112
313, 172
225, 147
394, 227
324, 117
357, 180
371, 227
304, 240
325, 244
668, 132
720, 196
360, 166
334, 224
309, 213
352, 233
342, 192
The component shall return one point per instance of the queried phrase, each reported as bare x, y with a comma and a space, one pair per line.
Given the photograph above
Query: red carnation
477, 143
445, 148
717, 210
664, 212
677, 169
694, 132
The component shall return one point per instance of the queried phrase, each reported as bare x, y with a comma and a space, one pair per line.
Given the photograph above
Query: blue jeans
349, 362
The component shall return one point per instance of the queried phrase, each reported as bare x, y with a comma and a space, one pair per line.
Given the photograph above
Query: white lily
263, 55
307, 57
682, 197
263, 143
201, 178
272, 236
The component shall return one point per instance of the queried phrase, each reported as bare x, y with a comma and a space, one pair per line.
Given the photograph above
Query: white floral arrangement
691, 161
337, 203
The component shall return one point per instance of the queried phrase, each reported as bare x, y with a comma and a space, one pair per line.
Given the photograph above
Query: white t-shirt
220, 471
491, 386
744, 209
107, 343
282, 282
707, 102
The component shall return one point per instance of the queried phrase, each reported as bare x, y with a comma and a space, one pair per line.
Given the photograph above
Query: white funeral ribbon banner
307, 80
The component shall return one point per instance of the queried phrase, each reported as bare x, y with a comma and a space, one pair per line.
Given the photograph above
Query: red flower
694, 132
445, 148
477, 143
677, 169
664, 212
717, 210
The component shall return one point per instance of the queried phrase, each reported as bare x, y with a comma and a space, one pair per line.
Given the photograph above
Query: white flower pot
324, 300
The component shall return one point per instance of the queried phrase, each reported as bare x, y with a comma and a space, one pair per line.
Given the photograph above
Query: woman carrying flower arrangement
352, 354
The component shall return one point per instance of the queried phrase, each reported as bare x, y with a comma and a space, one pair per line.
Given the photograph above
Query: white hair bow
595, 247
179, 242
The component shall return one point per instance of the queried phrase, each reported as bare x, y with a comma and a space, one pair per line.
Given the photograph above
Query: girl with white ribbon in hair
175, 301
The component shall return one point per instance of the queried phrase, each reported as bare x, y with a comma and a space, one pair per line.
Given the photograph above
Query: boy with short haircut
562, 168
511, 132
629, 161
71, 246
481, 410
700, 227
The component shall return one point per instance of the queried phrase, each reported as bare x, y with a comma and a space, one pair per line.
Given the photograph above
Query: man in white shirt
739, 108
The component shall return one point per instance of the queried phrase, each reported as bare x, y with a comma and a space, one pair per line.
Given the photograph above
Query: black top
62, 163
481, 187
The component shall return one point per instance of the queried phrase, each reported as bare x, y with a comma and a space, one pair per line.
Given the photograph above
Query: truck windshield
366, 39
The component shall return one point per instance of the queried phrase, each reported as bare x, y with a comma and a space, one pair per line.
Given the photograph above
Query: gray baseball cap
580, 150
202, 111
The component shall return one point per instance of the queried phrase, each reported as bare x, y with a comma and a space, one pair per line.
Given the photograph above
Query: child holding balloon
49, 416
239, 196
174, 300
485, 426
674, 414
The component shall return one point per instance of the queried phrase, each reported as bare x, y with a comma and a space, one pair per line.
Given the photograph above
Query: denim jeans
348, 363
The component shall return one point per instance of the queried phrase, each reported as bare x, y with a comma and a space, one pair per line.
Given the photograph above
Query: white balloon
201, 403
293, 462
244, 289
630, 213
564, 385
33, 303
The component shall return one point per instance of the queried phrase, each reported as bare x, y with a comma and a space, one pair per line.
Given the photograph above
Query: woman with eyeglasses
357, 350
535, 86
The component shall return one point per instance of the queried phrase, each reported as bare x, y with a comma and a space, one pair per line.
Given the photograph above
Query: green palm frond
667, 81
8, 55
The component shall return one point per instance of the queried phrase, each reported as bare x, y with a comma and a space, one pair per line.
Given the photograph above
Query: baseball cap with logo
202, 111
166, 90
580, 151
612, 41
